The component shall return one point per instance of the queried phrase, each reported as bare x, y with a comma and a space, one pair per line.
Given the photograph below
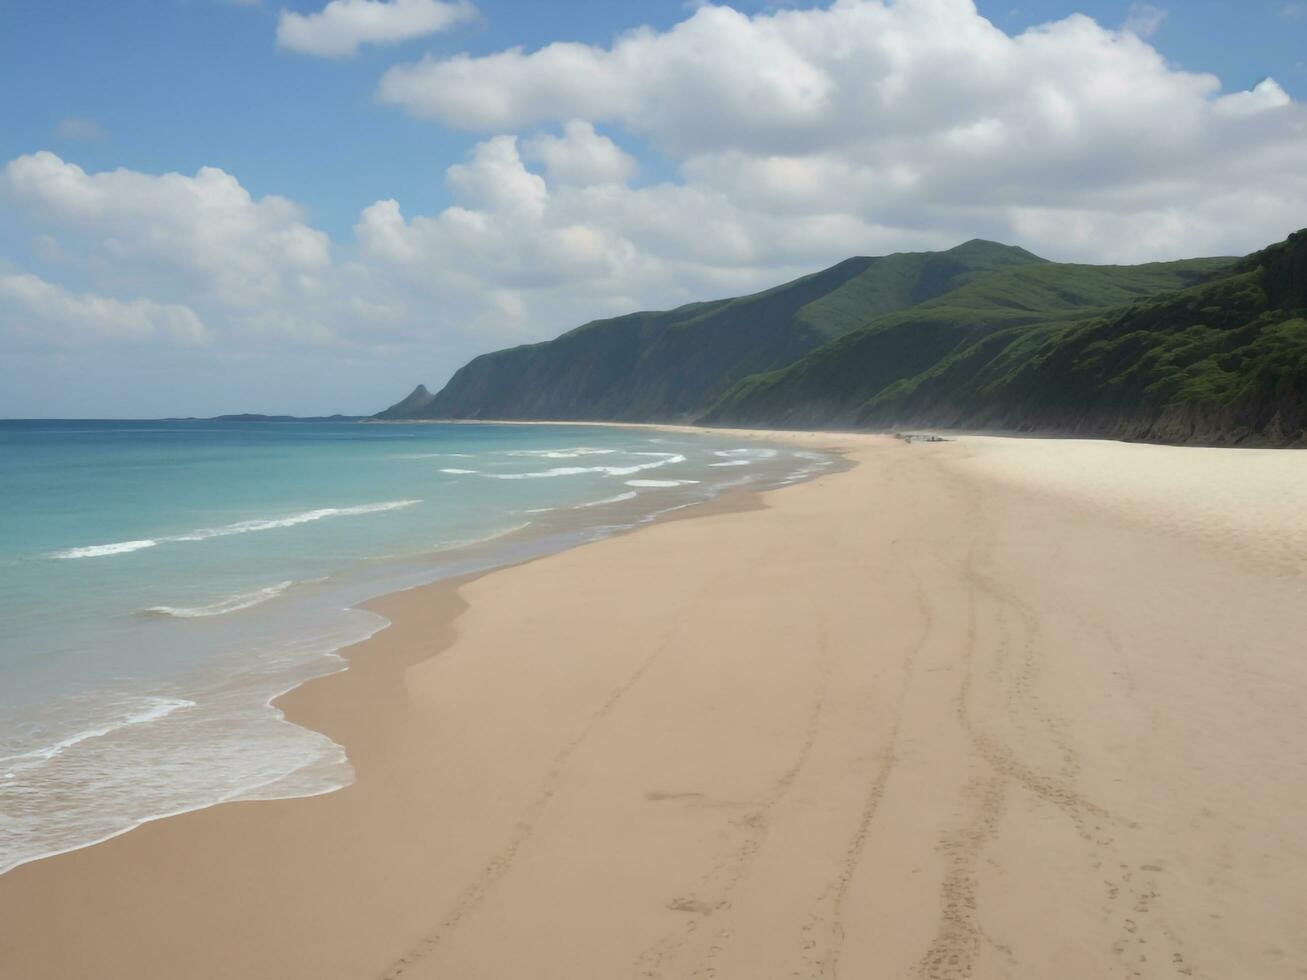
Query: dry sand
985, 708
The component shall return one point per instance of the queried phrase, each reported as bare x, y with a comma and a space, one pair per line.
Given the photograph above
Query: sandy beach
980, 708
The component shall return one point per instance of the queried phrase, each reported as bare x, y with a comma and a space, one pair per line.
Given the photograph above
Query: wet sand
982, 708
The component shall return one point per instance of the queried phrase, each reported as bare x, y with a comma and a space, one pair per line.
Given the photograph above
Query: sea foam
73, 774
102, 550
308, 516
629, 495
561, 453
240, 527
557, 471
155, 709
231, 604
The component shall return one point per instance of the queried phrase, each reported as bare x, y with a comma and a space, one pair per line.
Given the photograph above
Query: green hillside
671, 365
1222, 360
834, 382
980, 336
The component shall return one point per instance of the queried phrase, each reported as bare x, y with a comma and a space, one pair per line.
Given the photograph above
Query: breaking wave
240, 527
231, 604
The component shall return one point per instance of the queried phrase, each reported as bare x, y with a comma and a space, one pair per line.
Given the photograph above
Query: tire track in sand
952, 953
1016, 666
716, 888
821, 936
524, 827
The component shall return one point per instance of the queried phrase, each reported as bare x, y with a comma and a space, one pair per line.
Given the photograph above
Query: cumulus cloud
203, 233
918, 119
581, 156
715, 76
339, 28
815, 79
794, 138
1265, 95
41, 313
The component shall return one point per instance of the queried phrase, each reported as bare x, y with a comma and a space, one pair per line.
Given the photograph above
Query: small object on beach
920, 437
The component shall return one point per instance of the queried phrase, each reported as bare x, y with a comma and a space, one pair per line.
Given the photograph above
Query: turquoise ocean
162, 582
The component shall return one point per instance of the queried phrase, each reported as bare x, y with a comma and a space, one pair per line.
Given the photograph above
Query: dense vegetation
673, 364
1223, 360
981, 336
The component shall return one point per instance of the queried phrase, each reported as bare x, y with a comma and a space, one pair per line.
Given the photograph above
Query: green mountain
410, 407
1222, 360
672, 365
981, 336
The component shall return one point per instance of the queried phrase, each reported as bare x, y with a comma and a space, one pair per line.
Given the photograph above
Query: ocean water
162, 582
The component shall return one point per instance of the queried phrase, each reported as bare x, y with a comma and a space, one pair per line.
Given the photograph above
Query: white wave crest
667, 459
659, 483
561, 453
247, 527
102, 550
732, 462
229, 605
546, 474
629, 495
458, 472
664, 459
753, 452
241, 527
156, 709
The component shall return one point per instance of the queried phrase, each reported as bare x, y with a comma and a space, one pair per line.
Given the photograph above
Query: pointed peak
418, 399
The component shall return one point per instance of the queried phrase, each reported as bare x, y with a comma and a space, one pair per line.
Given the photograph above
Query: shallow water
162, 582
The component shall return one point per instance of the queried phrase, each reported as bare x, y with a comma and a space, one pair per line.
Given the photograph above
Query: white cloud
496, 179
1144, 19
917, 119
203, 234
813, 79
80, 129
793, 140
1265, 95
581, 156
716, 74
339, 28
42, 313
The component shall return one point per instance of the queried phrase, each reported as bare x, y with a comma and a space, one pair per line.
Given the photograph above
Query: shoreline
467, 560
672, 792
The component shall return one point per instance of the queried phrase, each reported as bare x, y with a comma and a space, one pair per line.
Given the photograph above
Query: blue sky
179, 84
173, 86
